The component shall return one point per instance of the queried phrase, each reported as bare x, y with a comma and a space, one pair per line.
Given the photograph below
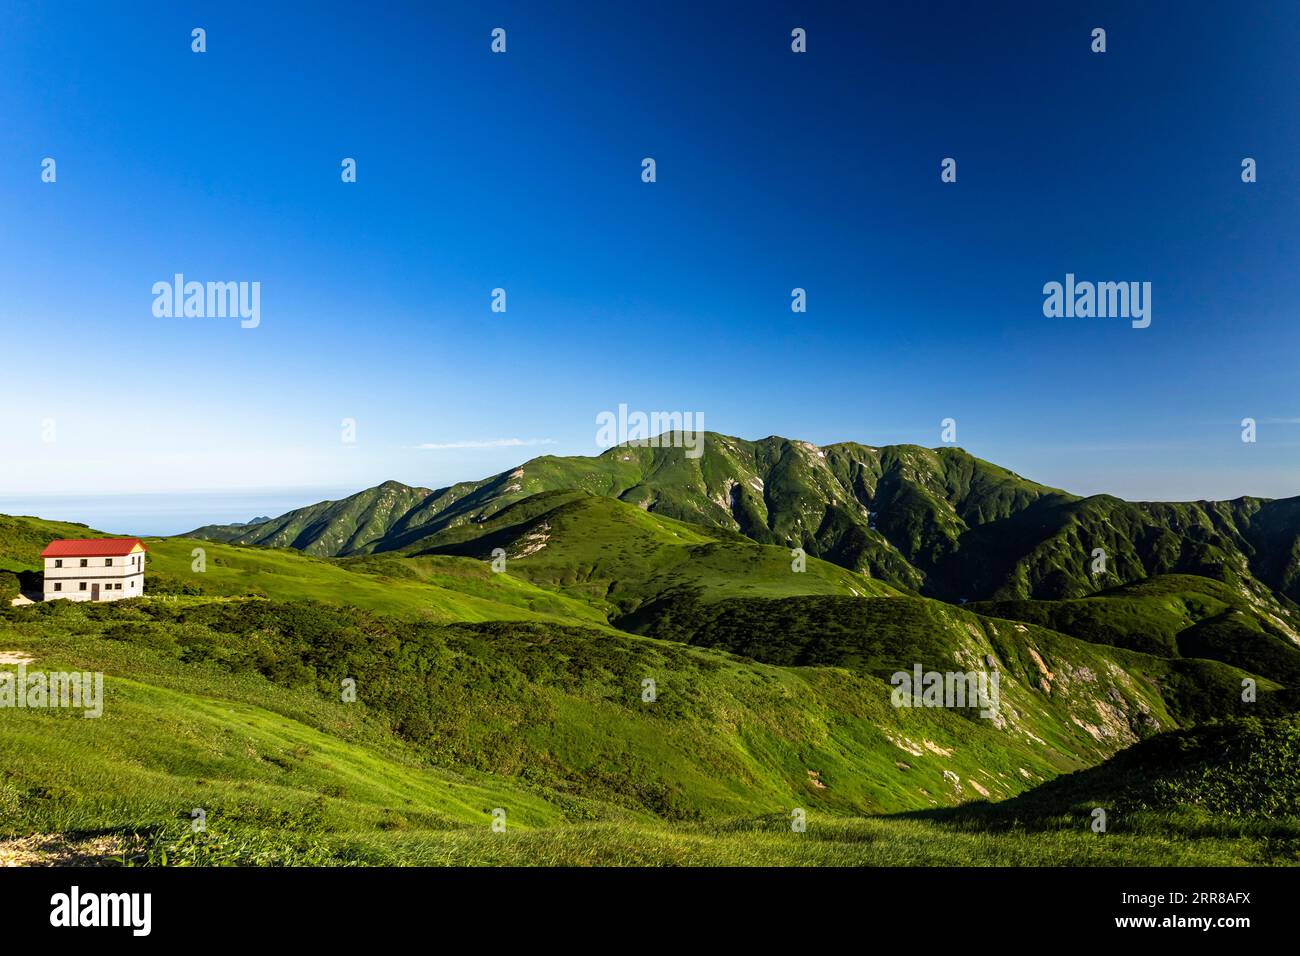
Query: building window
108, 562
83, 586
58, 586
58, 562
85, 563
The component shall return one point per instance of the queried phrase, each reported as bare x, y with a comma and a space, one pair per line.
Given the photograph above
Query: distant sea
166, 514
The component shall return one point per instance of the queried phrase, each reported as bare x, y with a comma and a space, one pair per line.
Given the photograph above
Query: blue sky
522, 171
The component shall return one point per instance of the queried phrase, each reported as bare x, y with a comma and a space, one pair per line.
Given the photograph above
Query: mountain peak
935, 520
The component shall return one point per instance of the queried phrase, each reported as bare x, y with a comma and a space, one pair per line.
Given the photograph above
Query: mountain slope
210, 706
774, 491
1173, 616
328, 528
622, 558
560, 711
1244, 772
440, 589
937, 521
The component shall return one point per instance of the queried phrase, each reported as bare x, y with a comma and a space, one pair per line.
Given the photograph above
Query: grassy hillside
451, 722
750, 690
621, 558
563, 707
22, 539
1175, 616
1106, 693
1239, 778
329, 527
586, 772
443, 590
181, 731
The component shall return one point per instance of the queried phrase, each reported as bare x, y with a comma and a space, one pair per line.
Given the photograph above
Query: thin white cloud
492, 443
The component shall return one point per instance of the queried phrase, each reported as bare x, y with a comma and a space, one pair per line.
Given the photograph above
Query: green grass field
447, 589
479, 692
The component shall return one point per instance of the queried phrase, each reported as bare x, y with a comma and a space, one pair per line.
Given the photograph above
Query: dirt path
56, 850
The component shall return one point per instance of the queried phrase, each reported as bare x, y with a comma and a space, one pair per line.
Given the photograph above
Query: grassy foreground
485, 699
286, 776
827, 841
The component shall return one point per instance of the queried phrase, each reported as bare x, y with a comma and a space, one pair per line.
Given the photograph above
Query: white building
97, 569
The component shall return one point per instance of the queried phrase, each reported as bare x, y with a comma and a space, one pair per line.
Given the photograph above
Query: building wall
123, 578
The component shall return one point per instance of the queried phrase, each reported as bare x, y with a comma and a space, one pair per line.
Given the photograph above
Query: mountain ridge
940, 521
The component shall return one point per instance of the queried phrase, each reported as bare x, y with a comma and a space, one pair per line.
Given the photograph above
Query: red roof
92, 548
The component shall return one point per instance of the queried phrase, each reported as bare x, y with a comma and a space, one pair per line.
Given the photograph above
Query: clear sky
522, 170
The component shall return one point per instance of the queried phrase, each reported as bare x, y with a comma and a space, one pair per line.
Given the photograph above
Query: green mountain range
646, 658
939, 522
